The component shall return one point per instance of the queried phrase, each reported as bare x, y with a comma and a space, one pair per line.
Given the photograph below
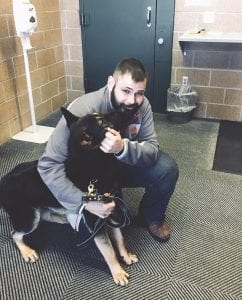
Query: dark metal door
113, 30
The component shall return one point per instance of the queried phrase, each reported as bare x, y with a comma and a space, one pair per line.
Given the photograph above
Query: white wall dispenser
26, 23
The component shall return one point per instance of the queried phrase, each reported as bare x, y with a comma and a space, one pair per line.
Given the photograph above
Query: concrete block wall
47, 68
214, 69
72, 43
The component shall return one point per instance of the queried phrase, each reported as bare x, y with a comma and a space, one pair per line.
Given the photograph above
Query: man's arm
140, 151
52, 169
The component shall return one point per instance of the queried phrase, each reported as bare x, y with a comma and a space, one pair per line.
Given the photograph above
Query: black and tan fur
27, 199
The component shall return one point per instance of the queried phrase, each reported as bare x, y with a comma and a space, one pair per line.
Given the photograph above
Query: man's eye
127, 92
140, 94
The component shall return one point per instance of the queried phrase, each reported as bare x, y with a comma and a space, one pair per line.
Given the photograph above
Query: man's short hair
131, 66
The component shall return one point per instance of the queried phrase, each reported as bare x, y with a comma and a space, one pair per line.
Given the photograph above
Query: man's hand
100, 209
113, 142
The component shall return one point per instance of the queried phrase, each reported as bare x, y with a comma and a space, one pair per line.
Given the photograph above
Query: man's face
127, 94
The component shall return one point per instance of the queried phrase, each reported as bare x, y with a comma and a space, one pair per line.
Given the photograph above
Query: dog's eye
87, 137
85, 143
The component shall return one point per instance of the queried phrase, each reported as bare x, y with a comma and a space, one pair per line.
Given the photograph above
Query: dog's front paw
29, 254
130, 258
121, 277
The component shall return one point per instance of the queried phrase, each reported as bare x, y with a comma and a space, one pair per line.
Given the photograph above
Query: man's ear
70, 118
110, 83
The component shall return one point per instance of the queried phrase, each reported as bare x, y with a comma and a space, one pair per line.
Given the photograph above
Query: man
143, 164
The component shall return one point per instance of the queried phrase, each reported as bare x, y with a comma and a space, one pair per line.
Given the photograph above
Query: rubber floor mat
228, 154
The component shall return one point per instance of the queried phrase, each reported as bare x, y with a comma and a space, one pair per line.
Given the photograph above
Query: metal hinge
84, 19
86, 84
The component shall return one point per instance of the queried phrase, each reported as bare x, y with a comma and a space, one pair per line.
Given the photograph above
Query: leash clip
91, 191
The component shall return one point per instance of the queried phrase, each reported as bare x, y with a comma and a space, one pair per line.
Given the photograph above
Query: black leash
119, 218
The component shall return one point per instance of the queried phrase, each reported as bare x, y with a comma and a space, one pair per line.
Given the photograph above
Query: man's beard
122, 107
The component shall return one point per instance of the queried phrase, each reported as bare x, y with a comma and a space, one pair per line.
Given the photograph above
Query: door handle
160, 41
148, 16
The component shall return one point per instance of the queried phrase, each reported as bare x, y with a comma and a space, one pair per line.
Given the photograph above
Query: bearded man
143, 164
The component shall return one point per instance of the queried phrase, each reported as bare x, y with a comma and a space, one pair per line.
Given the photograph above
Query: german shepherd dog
27, 200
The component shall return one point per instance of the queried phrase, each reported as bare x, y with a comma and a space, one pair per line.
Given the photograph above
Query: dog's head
90, 130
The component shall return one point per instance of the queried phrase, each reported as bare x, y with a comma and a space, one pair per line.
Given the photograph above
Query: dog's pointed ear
70, 118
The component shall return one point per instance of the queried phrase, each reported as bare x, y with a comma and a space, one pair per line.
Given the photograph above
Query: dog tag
91, 191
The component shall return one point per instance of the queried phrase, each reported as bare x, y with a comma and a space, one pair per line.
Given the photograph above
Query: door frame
163, 53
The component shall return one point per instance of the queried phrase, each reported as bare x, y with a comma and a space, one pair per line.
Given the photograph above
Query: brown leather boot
160, 232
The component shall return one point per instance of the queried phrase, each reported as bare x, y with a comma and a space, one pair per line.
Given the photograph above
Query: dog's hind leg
55, 215
118, 241
105, 246
28, 254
